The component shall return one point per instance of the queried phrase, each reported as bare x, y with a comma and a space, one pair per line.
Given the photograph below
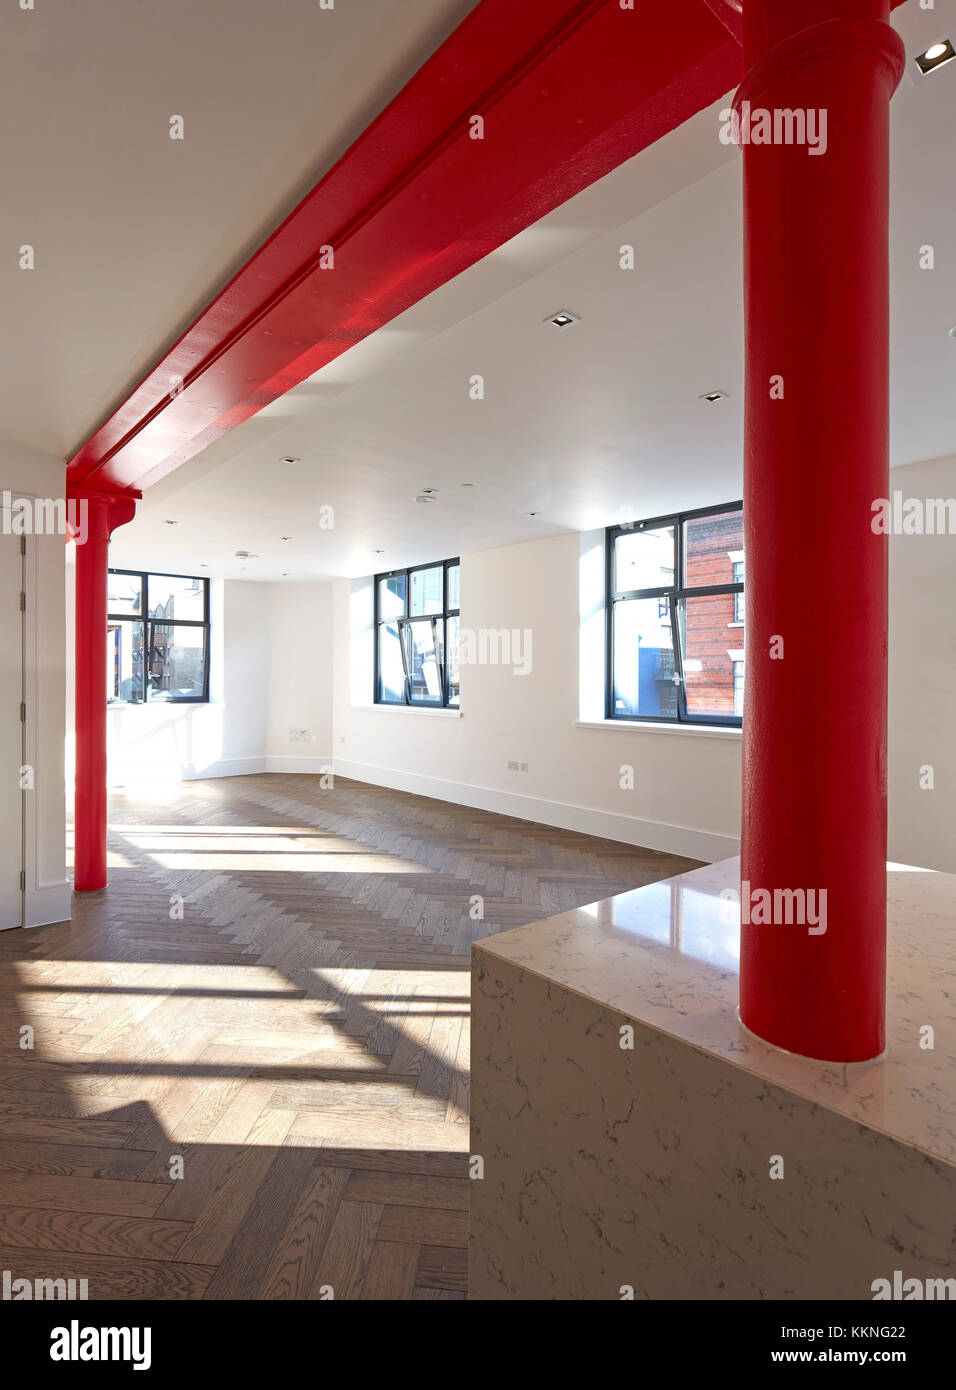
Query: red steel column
816, 458
104, 513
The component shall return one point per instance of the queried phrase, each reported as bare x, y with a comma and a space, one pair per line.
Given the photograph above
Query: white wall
47, 895
686, 796
270, 654
300, 677
922, 692
159, 742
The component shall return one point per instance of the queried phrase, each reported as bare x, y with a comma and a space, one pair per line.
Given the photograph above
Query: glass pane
451, 662
711, 653
176, 661
428, 594
124, 594
391, 597
391, 667
124, 662
643, 660
424, 663
713, 545
172, 596
644, 559
454, 586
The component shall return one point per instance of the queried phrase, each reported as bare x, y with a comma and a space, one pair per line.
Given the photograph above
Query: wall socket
516, 766
298, 735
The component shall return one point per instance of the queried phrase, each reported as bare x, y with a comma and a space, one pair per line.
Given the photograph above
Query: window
674, 586
739, 596
416, 636
157, 638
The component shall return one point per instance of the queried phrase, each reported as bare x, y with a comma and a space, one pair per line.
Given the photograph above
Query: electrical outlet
298, 735
524, 767
512, 767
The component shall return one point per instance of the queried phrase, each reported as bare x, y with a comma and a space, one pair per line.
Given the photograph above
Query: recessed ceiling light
170, 523
467, 485
289, 458
713, 396
287, 538
935, 56
378, 552
563, 318
426, 497
245, 555
532, 513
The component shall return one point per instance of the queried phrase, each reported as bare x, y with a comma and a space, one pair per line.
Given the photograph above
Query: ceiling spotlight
378, 552
245, 555
713, 396
426, 497
532, 513
170, 523
467, 485
289, 458
286, 538
563, 318
935, 56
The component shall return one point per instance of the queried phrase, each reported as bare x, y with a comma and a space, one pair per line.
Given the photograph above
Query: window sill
646, 726
409, 709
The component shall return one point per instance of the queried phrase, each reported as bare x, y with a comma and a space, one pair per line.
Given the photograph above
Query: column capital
109, 509
842, 35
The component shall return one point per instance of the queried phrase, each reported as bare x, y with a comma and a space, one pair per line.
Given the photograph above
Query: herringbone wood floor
274, 989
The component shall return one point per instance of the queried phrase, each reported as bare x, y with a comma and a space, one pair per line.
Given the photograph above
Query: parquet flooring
271, 997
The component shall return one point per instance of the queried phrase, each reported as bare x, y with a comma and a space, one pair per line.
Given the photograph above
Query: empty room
479, 773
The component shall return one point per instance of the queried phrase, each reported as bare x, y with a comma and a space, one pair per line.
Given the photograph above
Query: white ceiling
578, 425
134, 232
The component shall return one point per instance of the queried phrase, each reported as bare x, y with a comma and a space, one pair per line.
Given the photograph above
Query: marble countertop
667, 956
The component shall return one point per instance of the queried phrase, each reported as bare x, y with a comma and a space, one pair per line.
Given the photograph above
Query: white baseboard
608, 825
224, 767
308, 763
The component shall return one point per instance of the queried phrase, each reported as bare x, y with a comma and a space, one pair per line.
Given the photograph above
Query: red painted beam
567, 89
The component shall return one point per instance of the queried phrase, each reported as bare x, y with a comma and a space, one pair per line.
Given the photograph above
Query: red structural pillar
98, 514
816, 458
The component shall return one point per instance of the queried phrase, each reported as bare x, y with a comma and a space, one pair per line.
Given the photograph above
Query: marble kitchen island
635, 1137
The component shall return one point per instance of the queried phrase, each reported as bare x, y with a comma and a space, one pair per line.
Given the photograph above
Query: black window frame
148, 622
675, 594
406, 618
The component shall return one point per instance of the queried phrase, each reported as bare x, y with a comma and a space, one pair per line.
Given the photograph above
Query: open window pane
124, 662
644, 559
391, 667
176, 666
643, 660
174, 596
452, 676
391, 597
124, 594
710, 656
424, 663
713, 545
428, 591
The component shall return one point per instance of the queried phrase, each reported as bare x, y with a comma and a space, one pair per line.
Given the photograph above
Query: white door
11, 728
